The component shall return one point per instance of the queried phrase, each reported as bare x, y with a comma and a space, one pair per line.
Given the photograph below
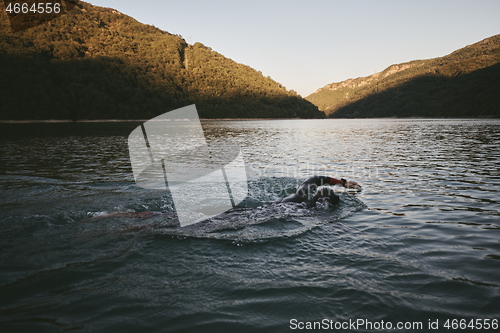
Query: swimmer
304, 193
316, 184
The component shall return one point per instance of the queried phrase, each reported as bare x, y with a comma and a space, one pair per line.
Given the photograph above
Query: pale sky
305, 45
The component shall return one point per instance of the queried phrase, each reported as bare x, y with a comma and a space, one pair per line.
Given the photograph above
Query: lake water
419, 244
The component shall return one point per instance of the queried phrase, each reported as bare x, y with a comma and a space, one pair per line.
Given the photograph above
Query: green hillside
463, 83
96, 63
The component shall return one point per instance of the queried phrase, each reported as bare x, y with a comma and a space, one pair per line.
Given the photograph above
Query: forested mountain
96, 63
463, 83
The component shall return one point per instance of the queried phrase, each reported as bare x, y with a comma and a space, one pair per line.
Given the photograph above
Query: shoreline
56, 121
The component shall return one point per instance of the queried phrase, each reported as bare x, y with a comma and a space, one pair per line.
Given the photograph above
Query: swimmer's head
329, 195
333, 199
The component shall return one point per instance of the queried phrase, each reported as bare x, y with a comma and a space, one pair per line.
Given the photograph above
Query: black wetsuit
311, 191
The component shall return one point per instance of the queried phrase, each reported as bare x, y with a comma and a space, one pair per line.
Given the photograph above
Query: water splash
247, 224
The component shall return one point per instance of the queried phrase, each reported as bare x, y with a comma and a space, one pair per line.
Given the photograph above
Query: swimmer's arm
345, 183
334, 181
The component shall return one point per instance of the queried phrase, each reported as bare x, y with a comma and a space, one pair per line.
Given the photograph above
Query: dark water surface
421, 241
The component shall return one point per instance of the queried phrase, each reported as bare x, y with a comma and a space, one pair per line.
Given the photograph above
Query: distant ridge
465, 83
97, 63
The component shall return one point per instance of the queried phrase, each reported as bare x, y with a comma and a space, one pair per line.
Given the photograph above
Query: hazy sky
307, 44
